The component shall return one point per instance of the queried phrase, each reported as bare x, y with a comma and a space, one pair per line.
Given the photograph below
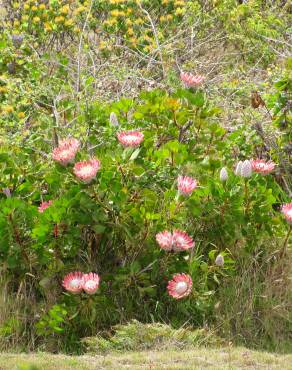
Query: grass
199, 358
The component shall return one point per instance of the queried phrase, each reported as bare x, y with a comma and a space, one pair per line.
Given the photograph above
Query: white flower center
289, 213
74, 283
181, 287
90, 284
86, 171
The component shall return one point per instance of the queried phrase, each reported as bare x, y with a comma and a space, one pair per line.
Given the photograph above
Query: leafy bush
53, 224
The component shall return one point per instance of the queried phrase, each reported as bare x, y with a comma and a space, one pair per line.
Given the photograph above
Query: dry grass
200, 358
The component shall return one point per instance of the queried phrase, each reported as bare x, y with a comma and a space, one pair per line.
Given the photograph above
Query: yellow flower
165, 2
76, 29
133, 41
42, 7
34, 8
26, 6
69, 22
80, 9
7, 109
179, 11
25, 18
169, 17
3, 89
48, 27
65, 9
102, 45
15, 5
139, 21
129, 22
115, 13
179, 3
16, 23
59, 19
130, 31
21, 115
162, 18
36, 20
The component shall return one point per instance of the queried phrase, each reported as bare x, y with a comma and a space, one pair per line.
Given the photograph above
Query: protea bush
96, 242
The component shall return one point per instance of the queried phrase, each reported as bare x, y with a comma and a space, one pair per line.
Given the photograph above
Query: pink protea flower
287, 212
44, 205
71, 142
180, 286
260, 166
164, 239
130, 138
186, 184
86, 170
66, 151
64, 155
176, 241
73, 282
90, 283
191, 80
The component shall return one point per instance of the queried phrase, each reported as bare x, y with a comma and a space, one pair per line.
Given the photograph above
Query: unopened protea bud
219, 261
238, 168
246, 169
114, 119
223, 174
7, 192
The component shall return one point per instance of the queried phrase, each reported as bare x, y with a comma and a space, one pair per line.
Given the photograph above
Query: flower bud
223, 174
114, 119
238, 168
7, 192
246, 169
219, 261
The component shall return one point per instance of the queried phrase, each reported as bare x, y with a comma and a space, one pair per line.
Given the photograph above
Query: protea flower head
73, 282
219, 261
287, 211
223, 174
114, 120
90, 283
191, 80
238, 168
86, 170
180, 286
177, 241
71, 142
44, 205
246, 169
186, 184
130, 138
66, 151
263, 167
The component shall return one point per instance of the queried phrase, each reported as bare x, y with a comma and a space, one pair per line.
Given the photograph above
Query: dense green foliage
51, 89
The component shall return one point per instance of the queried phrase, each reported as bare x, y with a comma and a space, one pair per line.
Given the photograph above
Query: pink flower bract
86, 170
180, 286
66, 151
186, 184
44, 205
90, 283
263, 167
73, 282
176, 241
287, 212
191, 80
130, 138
